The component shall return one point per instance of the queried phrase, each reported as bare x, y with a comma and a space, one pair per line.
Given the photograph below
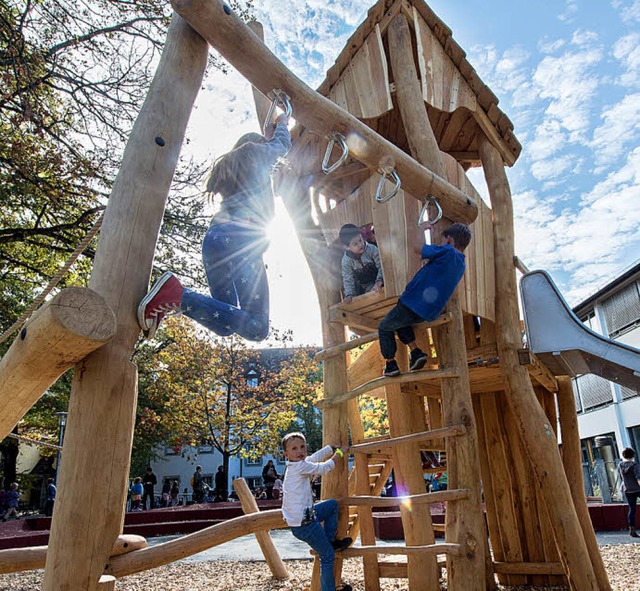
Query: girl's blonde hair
236, 170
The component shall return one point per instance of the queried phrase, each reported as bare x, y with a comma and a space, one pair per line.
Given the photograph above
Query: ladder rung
370, 337
454, 494
398, 570
445, 548
403, 378
435, 434
528, 568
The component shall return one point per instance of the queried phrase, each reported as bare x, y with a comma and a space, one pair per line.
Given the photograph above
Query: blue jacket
432, 286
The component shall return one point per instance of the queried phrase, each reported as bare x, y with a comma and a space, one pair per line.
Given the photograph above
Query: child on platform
361, 268
302, 516
233, 246
425, 296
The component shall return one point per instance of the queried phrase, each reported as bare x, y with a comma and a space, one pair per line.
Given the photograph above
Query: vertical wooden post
407, 415
465, 522
572, 462
270, 552
92, 487
537, 435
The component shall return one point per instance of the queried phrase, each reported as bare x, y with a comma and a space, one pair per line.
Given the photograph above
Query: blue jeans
632, 499
320, 538
239, 303
399, 319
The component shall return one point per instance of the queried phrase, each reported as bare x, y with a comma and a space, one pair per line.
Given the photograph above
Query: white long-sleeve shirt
296, 488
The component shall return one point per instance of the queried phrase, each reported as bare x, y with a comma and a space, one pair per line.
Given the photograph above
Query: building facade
609, 414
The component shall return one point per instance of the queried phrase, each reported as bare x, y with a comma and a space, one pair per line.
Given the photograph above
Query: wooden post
537, 435
465, 521
572, 462
271, 555
93, 479
63, 331
245, 51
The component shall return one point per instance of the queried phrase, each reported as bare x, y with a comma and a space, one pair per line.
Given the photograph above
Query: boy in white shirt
298, 509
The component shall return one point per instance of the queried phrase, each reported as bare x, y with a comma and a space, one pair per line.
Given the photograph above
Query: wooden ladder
454, 431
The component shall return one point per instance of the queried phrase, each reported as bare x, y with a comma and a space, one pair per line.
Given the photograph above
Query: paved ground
247, 549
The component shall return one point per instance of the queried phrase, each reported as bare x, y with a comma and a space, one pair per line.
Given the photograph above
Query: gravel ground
621, 561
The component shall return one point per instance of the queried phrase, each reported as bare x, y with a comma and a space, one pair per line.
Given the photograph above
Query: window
589, 320
253, 461
205, 447
252, 379
593, 391
170, 450
628, 392
622, 310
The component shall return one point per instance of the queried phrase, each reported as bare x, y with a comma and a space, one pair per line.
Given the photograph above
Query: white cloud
580, 37
551, 169
620, 127
629, 10
569, 82
570, 11
627, 51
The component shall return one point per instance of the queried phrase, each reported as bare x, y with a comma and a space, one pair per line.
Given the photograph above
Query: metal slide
564, 344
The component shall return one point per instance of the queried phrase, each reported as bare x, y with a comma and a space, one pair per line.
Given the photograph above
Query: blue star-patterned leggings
239, 303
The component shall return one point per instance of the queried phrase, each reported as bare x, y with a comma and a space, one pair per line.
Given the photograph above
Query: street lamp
62, 423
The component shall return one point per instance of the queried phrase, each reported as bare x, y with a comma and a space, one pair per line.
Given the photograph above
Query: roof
609, 287
381, 14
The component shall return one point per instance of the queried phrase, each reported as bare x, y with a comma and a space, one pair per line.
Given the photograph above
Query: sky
567, 73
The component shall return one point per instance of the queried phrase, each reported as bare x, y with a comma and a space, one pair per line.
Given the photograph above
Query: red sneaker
163, 299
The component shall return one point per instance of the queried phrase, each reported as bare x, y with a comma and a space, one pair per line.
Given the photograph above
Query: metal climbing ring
384, 173
335, 138
281, 99
425, 210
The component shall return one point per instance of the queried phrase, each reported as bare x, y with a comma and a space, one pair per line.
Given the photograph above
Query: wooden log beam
428, 549
369, 338
408, 500
97, 449
16, 560
414, 376
227, 33
528, 568
62, 332
354, 320
430, 436
536, 433
572, 462
209, 537
270, 552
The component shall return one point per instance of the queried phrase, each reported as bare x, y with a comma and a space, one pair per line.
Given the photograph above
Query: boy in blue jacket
424, 297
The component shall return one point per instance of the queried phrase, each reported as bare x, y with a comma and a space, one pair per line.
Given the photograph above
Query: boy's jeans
239, 303
320, 538
399, 319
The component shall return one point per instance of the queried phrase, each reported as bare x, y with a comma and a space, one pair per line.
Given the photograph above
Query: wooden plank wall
363, 87
443, 86
396, 230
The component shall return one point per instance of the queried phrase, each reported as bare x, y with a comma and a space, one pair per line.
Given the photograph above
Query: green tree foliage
73, 76
196, 391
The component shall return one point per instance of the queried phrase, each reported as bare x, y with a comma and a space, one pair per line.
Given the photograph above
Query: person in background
149, 482
221, 486
136, 494
166, 492
51, 497
269, 476
629, 472
13, 498
175, 493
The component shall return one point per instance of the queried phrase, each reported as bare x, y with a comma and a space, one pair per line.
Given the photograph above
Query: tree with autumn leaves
196, 390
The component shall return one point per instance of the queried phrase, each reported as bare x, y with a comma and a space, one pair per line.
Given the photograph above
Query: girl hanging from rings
233, 245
